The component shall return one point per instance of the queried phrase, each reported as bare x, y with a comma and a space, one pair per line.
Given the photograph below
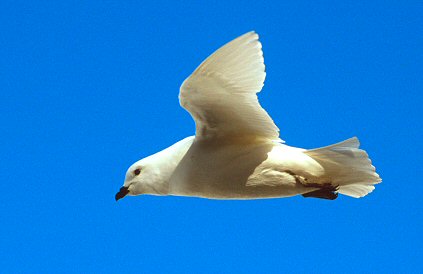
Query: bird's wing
221, 94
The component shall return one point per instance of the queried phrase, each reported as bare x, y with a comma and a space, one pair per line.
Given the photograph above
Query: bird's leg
326, 191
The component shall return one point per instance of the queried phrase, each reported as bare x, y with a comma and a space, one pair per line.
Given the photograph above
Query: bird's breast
215, 170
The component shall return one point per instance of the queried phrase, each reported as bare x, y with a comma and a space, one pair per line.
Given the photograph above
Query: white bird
236, 152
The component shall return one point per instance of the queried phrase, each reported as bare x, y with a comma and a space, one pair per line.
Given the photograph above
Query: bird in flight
236, 152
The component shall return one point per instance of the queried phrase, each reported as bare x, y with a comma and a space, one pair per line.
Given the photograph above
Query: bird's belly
232, 172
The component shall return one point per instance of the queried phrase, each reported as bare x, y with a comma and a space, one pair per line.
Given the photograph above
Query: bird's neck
166, 162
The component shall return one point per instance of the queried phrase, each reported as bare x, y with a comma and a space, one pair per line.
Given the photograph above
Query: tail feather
347, 166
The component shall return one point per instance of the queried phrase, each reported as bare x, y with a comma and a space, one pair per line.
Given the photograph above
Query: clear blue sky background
89, 88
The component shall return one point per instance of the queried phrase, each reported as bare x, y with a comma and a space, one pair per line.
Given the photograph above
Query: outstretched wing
221, 93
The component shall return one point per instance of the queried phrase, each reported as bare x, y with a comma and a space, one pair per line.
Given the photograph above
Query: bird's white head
143, 177
152, 174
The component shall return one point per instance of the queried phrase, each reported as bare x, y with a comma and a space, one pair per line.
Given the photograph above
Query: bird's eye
137, 171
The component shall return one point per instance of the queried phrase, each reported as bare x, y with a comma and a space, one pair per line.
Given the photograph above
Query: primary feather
221, 93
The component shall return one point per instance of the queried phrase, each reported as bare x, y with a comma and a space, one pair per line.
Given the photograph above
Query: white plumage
221, 93
237, 152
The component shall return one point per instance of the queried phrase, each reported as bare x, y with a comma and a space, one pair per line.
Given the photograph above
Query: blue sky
89, 88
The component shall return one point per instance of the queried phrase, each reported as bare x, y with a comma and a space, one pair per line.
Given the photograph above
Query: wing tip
252, 34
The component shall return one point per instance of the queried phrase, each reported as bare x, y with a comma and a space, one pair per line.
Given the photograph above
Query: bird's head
152, 174
143, 177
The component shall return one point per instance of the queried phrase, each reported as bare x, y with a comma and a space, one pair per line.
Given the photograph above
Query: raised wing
221, 93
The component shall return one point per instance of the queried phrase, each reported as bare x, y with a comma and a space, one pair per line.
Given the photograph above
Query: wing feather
221, 93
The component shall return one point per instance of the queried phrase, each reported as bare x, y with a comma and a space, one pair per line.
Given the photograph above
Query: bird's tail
348, 167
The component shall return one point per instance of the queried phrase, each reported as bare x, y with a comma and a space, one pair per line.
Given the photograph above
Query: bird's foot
326, 191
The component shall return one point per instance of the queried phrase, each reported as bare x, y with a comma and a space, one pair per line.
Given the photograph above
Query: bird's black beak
122, 193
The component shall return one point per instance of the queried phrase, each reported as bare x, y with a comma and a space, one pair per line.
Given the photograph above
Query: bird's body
239, 170
237, 153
